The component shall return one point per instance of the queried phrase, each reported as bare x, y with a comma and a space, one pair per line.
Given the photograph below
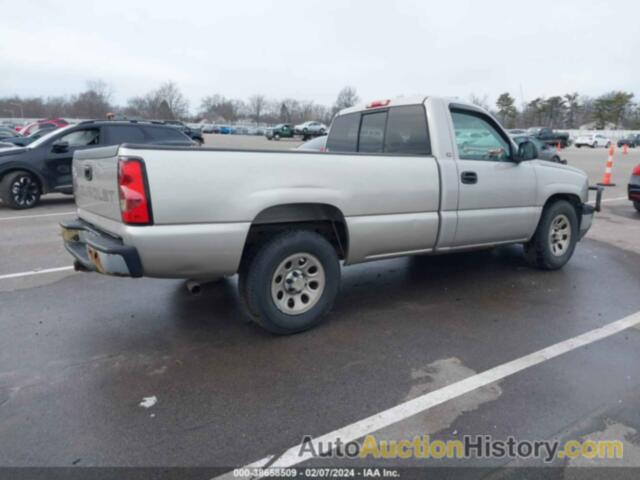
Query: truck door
497, 196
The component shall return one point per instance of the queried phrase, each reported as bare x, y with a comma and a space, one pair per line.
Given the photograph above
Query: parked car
550, 136
226, 130
6, 132
544, 151
44, 166
208, 128
310, 129
23, 141
631, 141
317, 144
634, 187
284, 222
284, 130
194, 134
51, 122
592, 140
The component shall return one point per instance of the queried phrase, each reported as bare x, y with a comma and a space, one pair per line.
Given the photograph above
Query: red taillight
378, 103
134, 198
636, 171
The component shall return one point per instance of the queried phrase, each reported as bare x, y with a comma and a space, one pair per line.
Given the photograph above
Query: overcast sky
309, 50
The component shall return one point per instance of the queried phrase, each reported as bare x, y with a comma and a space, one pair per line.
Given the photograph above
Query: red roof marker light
378, 103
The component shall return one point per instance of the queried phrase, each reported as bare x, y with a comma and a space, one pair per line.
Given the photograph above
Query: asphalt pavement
101, 371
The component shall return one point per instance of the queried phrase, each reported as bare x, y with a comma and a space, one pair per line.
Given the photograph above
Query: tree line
615, 109
169, 103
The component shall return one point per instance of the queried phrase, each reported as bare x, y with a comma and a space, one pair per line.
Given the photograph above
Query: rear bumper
95, 251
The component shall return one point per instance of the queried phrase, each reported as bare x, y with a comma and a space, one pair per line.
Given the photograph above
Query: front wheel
20, 190
555, 239
290, 282
276, 136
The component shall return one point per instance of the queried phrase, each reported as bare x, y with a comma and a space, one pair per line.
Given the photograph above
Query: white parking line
21, 217
35, 272
425, 402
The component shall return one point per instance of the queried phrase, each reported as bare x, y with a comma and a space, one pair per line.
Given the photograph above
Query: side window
372, 132
477, 139
343, 136
164, 134
82, 138
117, 134
407, 131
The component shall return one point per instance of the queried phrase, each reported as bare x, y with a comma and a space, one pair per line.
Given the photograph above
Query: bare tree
480, 101
94, 102
347, 97
257, 105
165, 103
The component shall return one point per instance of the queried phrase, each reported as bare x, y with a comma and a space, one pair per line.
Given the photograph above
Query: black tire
539, 250
276, 136
556, 159
20, 190
607, 145
636, 204
594, 145
259, 281
322, 131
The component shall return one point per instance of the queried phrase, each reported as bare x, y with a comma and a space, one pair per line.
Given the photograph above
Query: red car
32, 127
634, 188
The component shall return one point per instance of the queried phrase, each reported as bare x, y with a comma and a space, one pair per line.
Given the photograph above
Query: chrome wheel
25, 191
298, 283
560, 235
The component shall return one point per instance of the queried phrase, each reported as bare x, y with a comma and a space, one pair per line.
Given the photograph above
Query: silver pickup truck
400, 177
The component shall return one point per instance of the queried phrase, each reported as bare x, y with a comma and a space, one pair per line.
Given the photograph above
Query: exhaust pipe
194, 288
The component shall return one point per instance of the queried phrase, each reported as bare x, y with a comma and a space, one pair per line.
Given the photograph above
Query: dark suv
44, 166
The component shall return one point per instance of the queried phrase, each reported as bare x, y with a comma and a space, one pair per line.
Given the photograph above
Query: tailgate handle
469, 177
88, 172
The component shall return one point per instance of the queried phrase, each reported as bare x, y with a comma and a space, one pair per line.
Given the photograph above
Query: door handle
469, 177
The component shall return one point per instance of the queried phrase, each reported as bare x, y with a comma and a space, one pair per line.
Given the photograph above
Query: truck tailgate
95, 181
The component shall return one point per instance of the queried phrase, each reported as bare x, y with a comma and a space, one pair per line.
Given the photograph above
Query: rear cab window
400, 130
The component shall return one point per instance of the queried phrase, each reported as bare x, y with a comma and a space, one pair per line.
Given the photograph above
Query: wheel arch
323, 218
17, 167
572, 198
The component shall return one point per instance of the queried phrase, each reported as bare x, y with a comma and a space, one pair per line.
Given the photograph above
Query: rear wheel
290, 282
555, 239
636, 204
20, 190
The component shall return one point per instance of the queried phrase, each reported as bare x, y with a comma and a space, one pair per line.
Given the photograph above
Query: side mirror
526, 151
60, 147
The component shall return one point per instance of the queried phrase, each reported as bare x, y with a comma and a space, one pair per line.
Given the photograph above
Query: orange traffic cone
625, 149
606, 179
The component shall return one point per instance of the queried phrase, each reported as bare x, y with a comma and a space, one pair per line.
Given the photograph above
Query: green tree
507, 110
573, 106
554, 108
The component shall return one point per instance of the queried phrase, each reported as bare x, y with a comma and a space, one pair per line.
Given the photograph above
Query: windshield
48, 136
